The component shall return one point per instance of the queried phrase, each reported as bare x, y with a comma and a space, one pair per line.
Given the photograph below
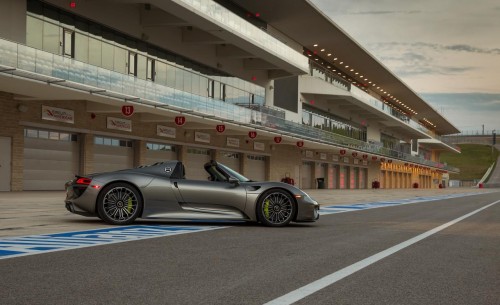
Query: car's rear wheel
276, 208
119, 204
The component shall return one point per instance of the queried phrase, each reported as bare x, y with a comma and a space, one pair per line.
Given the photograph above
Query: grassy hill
473, 161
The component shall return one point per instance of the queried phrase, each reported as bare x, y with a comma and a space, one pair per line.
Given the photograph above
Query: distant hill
473, 162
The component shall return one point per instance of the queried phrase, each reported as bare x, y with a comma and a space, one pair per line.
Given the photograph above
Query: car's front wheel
276, 208
119, 204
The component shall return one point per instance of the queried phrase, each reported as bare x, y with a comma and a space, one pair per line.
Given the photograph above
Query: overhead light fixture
329, 54
316, 45
322, 50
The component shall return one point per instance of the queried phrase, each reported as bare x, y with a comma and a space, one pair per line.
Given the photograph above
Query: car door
211, 196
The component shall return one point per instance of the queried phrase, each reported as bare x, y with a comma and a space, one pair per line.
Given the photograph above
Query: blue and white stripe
36, 244
332, 209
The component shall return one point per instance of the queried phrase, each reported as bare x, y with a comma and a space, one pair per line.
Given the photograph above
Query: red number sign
300, 143
342, 152
374, 158
220, 128
127, 110
354, 154
252, 134
277, 140
365, 157
180, 120
382, 159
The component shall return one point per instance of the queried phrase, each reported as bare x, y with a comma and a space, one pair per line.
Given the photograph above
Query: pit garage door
159, 153
196, 159
51, 158
230, 159
256, 168
306, 175
111, 154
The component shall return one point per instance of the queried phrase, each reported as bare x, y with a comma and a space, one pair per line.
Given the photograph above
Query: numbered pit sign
180, 120
127, 110
220, 128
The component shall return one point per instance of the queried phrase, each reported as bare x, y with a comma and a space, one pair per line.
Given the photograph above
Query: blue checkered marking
325, 210
36, 244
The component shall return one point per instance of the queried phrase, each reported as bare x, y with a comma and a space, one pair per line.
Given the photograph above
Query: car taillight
84, 181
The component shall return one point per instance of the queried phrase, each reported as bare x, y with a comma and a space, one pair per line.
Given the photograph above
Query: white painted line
330, 279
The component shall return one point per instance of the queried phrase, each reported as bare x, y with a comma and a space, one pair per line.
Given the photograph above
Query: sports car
161, 191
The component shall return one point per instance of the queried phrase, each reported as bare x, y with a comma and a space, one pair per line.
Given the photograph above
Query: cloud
467, 111
437, 47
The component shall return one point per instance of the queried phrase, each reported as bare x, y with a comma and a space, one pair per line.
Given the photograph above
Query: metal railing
21, 61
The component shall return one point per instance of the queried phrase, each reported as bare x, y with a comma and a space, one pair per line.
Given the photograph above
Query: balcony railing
29, 63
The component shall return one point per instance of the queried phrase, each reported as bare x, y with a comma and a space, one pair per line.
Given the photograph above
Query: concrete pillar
86, 153
139, 152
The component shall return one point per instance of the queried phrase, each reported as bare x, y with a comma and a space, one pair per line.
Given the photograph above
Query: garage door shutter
50, 159
230, 159
306, 175
112, 154
196, 159
256, 168
159, 153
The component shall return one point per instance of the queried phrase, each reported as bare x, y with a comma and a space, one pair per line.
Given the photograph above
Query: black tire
119, 204
276, 208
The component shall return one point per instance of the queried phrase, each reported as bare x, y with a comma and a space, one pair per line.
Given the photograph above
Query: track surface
250, 264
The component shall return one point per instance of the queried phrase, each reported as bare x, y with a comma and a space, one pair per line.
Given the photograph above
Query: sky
448, 51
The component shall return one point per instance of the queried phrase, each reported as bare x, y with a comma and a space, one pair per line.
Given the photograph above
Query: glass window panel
82, 47
115, 142
171, 72
132, 63
150, 69
160, 73
34, 32
179, 79
107, 141
98, 140
188, 83
32, 133
51, 14
64, 137
68, 42
53, 135
51, 38
95, 52
42, 134
121, 60
195, 84
107, 56
210, 88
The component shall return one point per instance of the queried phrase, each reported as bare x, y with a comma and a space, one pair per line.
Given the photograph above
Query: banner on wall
202, 137
119, 124
58, 114
232, 142
259, 146
165, 131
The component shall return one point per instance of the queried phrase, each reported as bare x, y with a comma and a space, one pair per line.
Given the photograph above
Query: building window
150, 69
112, 142
132, 63
50, 135
162, 147
223, 92
69, 43
210, 88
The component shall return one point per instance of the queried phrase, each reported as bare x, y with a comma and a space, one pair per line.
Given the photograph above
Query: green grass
473, 162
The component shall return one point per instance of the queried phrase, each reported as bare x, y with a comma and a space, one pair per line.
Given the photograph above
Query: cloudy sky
448, 51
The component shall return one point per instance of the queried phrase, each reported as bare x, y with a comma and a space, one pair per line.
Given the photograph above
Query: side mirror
233, 180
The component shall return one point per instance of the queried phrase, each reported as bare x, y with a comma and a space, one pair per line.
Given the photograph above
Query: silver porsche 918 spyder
160, 191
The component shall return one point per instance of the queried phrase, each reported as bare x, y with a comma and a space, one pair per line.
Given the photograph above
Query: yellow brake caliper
129, 205
266, 208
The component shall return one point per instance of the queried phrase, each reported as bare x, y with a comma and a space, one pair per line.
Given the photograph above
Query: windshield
234, 173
